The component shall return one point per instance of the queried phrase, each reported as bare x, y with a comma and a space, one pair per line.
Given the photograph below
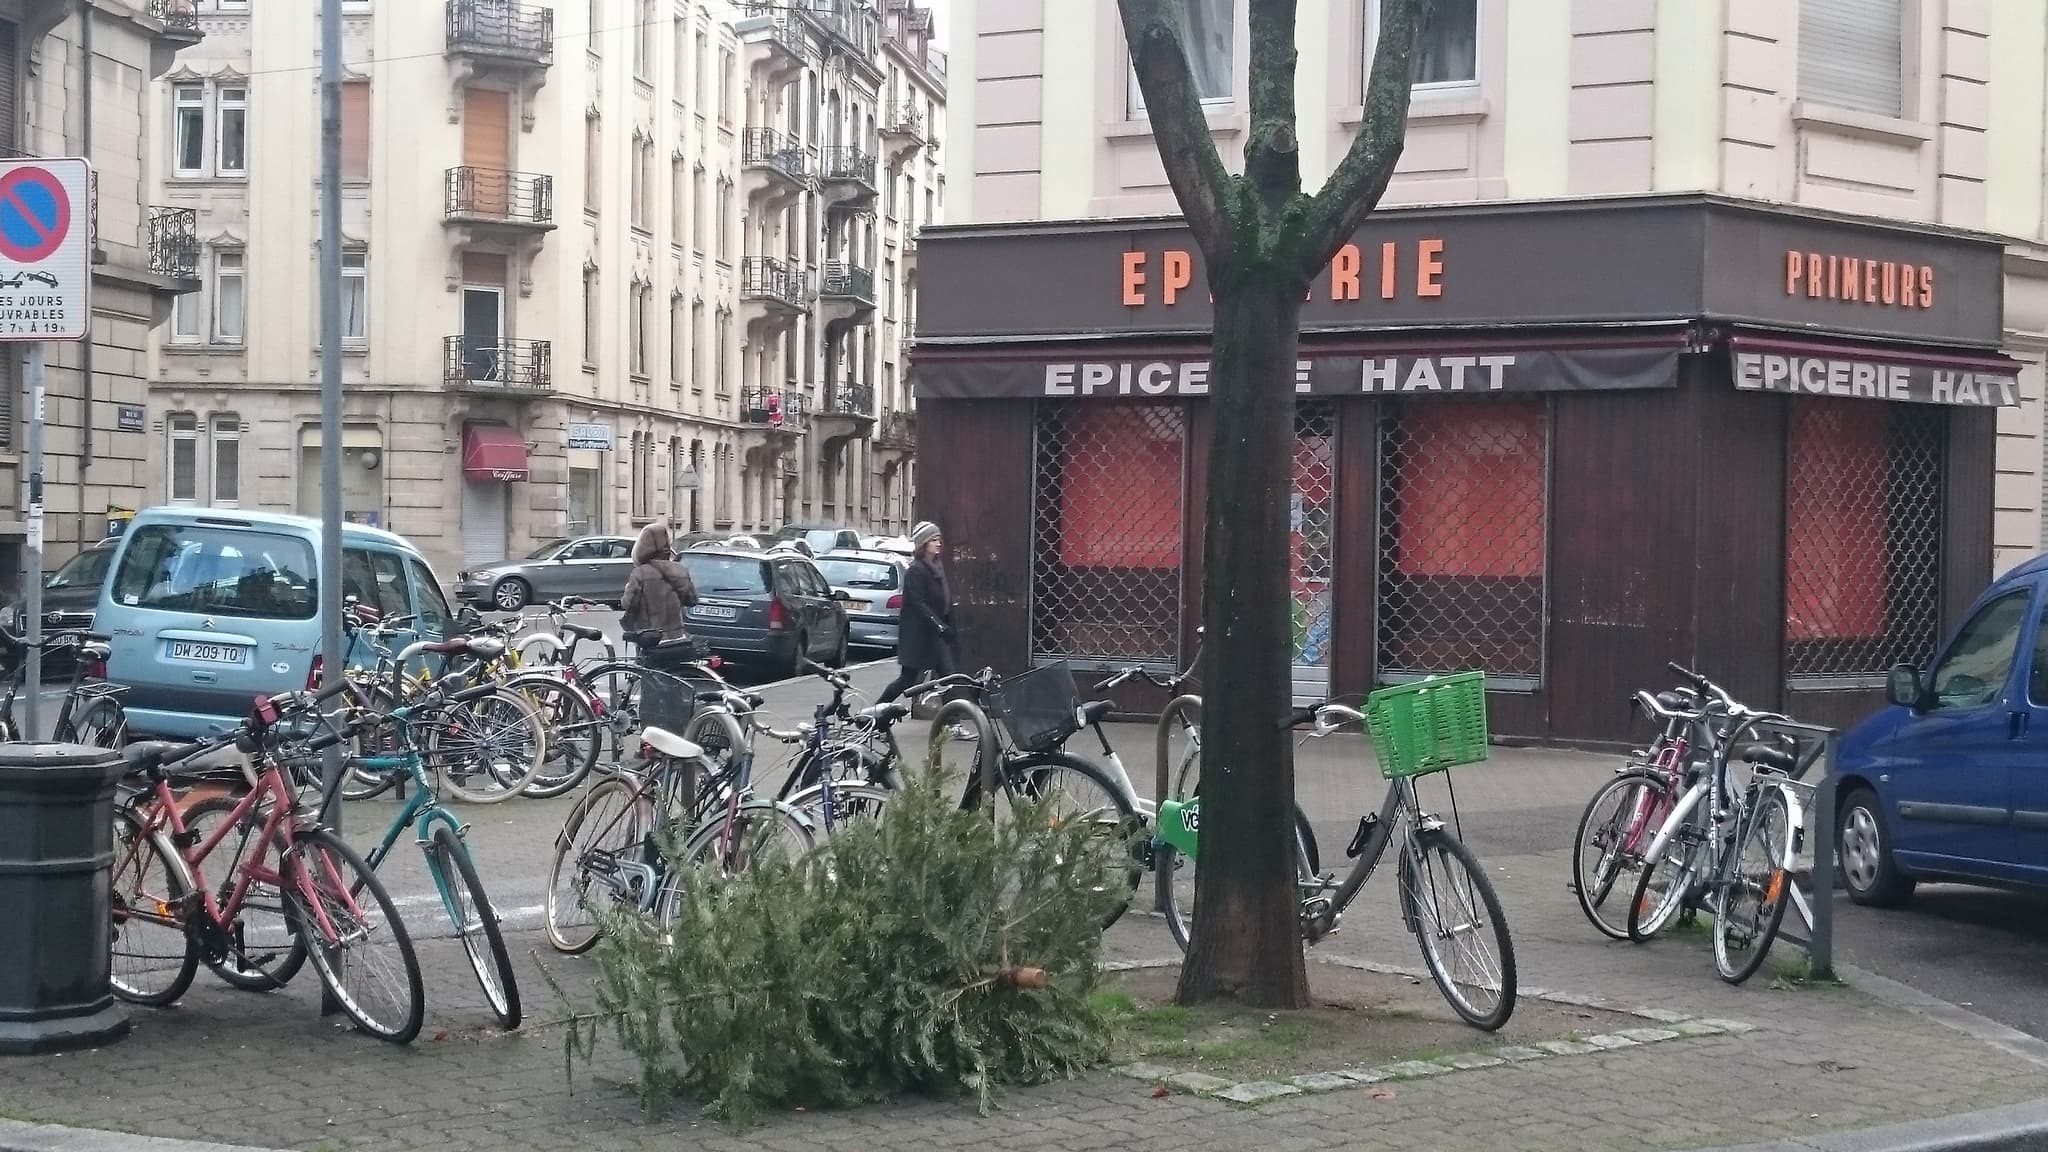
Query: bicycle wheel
575, 735
851, 801
962, 744
1616, 828
264, 948
357, 942
485, 751
598, 858
101, 723
1177, 745
617, 689
1752, 900
1450, 906
476, 922
154, 960
1174, 878
1076, 791
358, 783
1665, 884
736, 838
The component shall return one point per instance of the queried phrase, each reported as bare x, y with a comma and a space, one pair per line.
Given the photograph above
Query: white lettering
1123, 379
2005, 392
1749, 371
1301, 369
1155, 378
1379, 375
1095, 376
1898, 382
1194, 378
1838, 377
1422, 375
1495, 367
1059, 379
1944, 387
1777, 372
1863, 380
1966, 388
1812, 374
1457, 365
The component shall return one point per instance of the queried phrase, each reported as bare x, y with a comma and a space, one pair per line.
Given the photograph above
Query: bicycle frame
421, 810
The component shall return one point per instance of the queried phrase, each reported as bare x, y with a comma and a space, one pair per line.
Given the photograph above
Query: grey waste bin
56, 858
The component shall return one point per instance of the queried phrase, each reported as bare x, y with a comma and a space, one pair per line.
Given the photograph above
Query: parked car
70, 596
894, 545
766, 612
1946, 783
822, 538
208, 608
873, 583
593, 567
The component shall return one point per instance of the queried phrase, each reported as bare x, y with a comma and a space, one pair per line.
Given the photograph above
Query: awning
493, 452
1969, 378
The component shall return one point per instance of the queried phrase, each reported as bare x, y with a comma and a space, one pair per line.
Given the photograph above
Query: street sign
45, 249
596, 437
129, 417
686, 477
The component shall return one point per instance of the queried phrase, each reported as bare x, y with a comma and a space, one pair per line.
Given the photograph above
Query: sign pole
32, 554
330, 402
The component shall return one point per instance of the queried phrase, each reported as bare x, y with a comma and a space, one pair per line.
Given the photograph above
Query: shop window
1464, 491
1862, 538
1312, 510
1852, 54
1107, 504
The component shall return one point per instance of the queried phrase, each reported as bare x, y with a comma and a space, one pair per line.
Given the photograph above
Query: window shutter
355, 130
1851, 55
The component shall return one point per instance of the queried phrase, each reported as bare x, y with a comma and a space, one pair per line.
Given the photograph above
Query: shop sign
1874, 379
594, 437
129, 418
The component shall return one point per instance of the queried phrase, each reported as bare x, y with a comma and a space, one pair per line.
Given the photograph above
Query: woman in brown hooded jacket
658, 590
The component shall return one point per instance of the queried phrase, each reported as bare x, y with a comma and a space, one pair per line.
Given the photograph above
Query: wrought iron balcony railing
852, 400
502, 197
174, 242
904, 120
766, 278
177, 15
847, 281
768, 148
501, 28
773, 407
491, 361
845, 162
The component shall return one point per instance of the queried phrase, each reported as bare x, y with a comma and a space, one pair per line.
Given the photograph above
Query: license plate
715, 612
207, 653
857, 605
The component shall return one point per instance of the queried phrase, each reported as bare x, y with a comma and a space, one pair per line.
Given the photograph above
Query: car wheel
1863, 849
511, 594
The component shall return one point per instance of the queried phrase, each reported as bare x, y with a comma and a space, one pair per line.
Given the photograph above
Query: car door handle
2015, 725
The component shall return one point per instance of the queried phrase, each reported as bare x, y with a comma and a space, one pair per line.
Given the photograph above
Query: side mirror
841, 594
468, 619
1902, 686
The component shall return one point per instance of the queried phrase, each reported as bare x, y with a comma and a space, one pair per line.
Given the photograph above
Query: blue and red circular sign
35, 215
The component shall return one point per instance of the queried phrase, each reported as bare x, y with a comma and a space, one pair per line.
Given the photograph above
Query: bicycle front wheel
1075, 791
101, 723
574, 736
1450, 906
1667, 881
843, 803
264, 948
486, 751
750, 832
599, 860
476, 922
1752, 901
355, 938
1174, 873
1607, 851
153, 959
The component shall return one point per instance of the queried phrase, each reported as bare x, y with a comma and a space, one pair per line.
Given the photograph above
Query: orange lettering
1908, 286
1852, 286
1889, 293
1926, 286
1834, 277
1134, 279
1344, 273
1795, 269
1429, 268
1178, 273
1870, 281
1815, 270
1387, 262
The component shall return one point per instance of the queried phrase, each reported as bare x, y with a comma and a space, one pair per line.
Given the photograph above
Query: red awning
493, 452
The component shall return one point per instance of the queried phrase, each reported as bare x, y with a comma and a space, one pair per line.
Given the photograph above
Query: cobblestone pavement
264, 1070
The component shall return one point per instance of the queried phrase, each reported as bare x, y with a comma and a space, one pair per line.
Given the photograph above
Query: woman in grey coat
658, 590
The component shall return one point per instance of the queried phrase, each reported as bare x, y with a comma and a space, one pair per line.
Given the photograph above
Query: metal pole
330, 380
1820, 945
32, 555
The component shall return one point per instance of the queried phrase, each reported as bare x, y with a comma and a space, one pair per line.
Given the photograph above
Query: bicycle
1437, 911
1623, 814
159, 879
1729, 843
839, 778
91, 711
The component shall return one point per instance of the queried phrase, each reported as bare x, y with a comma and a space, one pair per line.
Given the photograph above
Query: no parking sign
45, 249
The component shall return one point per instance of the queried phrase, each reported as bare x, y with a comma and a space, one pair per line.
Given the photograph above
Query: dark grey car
593, 567
873, 583
763, 611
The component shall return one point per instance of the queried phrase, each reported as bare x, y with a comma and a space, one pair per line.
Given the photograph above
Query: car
820, 537
895, 545
593, 567
1947, 782
70, 596
873, 583
766, 613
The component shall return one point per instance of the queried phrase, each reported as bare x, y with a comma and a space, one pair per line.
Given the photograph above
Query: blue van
1950, 781
207, 608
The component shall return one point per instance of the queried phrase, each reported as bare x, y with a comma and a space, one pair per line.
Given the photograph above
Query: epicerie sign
45, 249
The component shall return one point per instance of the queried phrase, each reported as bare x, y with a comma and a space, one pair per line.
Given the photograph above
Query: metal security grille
1464, 497
1313, 517
1863, 491
1106, 512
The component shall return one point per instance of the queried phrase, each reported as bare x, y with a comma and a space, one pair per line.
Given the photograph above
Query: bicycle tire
1593, 889
1683, 857
504, 730
1770, 802
358, 783
569, 877
1180, 921
244, 971
575, 736
1181, 767
1453, 850
1035, 771
851, 801
488, 957
174, 964
322, 866
102, 723
781, 819
616, 686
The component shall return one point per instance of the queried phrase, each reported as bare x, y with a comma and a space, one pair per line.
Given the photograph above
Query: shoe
962, 732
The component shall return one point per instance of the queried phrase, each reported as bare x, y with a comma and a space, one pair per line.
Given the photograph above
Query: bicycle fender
1795, 816
423, 824
539, 644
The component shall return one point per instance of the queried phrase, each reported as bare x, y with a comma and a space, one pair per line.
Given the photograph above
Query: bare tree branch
1272, 156
1179, 126
1356, 186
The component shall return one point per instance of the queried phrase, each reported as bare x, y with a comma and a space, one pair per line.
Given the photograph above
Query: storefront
1560, 442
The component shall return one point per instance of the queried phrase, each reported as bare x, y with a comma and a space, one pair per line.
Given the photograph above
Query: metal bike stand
1815, 931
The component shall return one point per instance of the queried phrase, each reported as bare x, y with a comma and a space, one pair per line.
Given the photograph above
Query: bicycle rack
1815, 930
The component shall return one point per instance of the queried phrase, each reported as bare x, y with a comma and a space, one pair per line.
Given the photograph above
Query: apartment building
1677, 247
52, 53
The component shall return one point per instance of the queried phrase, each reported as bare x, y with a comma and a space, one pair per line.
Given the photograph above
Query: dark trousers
910, 677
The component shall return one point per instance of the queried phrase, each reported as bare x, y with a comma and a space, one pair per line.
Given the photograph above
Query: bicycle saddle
95, 650
1094, 711
180, 760
669, 744
888, 713
1764, 755
582, 632
1676, 701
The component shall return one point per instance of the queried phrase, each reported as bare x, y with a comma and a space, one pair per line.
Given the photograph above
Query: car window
546, 550
618, 549
858, 573
376, 579
822, 539
1974, 671
582, 550
2037, 677
725, 575
435, 619
88, 569
217, 571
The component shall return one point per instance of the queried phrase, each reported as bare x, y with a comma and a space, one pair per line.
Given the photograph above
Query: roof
179, 514
874, 555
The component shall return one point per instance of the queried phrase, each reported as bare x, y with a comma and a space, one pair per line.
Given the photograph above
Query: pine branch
1355, 188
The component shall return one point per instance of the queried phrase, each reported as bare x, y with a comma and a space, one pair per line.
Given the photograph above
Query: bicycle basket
1429, 725
667, 701
1038, 707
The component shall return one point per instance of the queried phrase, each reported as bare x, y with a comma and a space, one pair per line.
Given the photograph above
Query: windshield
858, 573
217, 571
88, 569
546, 550
821, 539
725, 574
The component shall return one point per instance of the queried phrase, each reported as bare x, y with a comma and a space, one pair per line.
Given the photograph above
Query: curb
2015, 1128
2011, 1041
19, 1137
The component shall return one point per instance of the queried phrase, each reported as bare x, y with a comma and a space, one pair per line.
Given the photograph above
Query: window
376, 579
889, 289
719, 354
701, 73
678, 203
436, 621
889, 193
700, 203
678, 342
229, 298
355, 297
188, 113
1851, 54
723, 223
596, 24
184, 458
218, 572
1207, 29
725, 86
593, 162
590, 303
643, 187
725, 574
697, 341
1974, 670
187, 325
231, 110
355, 130
643, 40
227, 461
642, 294
643, 475
1449, 53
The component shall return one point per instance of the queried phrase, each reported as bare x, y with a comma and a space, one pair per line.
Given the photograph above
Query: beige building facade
1917, 111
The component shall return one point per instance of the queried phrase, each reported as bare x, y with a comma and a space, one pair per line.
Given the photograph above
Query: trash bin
56, 859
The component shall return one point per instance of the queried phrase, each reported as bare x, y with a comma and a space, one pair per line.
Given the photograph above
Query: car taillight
895, 603
715, 662
777, 618
313, 673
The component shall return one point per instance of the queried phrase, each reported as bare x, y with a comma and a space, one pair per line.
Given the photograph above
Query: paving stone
1518, 1054
1732, 1027
1606, 1041
1648, 1035
1362, 1075
1660, 1015
1198, 1082
1148, 1072
1323, 1082
1697, 1028
1466, 1061
1414, 1070
1566, 1047
1256, 1092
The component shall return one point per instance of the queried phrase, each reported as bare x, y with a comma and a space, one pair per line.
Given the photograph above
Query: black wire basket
1039, 708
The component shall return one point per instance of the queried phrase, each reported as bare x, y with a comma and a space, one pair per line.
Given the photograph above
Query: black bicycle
91, 712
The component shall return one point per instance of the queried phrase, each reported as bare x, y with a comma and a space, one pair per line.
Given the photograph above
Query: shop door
1312, 513
483, 522
486, 150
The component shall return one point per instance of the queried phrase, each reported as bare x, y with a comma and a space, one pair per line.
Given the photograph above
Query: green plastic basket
1429, 725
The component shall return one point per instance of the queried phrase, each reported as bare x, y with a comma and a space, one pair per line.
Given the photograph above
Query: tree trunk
1246, 874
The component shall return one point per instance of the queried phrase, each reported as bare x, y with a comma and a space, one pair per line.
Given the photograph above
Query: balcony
848, 414
898, 432
501, 34
778, 48
846, 293
488, 198
903, 134
907, 253
772, 295
180, 19
173, 244
774, 409
849, 177
497, 366
776, 168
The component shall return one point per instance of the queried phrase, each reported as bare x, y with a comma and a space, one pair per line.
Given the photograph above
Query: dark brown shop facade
1560, 442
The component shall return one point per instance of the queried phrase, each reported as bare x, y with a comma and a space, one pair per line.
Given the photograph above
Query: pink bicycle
1622, 818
